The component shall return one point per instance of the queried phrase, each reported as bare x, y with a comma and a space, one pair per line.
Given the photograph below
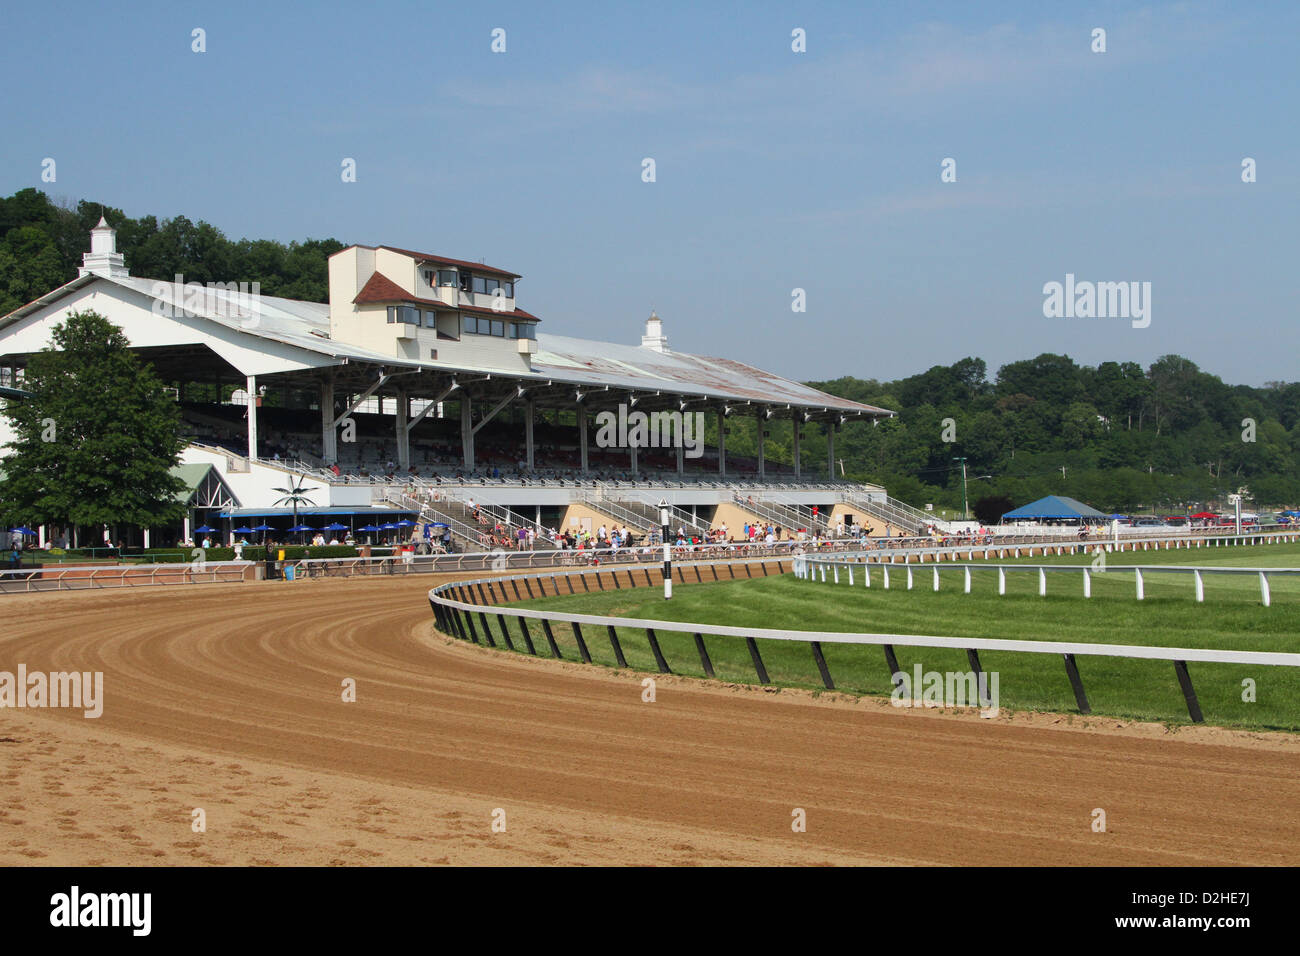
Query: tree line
42, 241
1117, 435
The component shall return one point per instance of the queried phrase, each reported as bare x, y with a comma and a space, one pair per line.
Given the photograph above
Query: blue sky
775, 170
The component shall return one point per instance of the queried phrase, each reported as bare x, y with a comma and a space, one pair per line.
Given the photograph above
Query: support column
403, 412
830, 450
681, 457
146, 539
632, 452
582, 437
528, 432
722, 442
797, 422
252, 416
762, 424
467, 429
329, 438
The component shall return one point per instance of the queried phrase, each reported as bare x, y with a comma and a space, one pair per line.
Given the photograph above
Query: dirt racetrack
228, 698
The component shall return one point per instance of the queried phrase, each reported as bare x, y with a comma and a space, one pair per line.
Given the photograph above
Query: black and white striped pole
668, 550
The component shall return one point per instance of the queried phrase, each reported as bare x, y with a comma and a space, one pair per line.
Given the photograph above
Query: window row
450, 325
469, 283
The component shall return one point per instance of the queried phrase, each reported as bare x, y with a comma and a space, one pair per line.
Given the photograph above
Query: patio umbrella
241, 530
1205, 514
335, 527
388, 527
369, 527
302, 527
204, 529
21, 530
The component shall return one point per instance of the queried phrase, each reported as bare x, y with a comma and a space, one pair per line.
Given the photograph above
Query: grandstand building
422, 384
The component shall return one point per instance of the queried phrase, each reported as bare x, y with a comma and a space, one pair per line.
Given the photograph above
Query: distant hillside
1117, 436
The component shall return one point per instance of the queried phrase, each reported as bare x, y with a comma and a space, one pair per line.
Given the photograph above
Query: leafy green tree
95, 442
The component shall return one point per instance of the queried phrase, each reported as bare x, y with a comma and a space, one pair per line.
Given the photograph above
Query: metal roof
583, 363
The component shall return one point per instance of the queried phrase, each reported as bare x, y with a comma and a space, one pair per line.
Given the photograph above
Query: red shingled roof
380, 288
459, 263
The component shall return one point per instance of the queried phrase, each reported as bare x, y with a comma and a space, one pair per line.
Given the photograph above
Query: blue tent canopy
1053, 506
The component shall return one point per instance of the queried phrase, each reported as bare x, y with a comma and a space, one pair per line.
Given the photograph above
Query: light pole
668, 551
965, 511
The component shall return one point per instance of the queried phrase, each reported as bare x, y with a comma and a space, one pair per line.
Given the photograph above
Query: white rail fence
456, 605
812, 569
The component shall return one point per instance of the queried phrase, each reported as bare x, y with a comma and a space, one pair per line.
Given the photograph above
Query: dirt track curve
228, 698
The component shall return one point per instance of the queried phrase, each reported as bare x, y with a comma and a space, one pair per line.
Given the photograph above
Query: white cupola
103, 259
654, 337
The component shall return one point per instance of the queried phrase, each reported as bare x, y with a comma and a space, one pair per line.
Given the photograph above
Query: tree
294, 495
991, 508
95, 443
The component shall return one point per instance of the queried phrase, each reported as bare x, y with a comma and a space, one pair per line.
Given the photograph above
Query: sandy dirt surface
228, 698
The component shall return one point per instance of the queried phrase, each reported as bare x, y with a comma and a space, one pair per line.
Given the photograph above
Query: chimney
103, 259
654, 337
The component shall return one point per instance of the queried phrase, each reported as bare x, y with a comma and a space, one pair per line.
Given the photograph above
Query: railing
456, 603
512, 519
810, 569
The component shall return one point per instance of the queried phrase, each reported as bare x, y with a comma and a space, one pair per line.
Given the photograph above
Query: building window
430, 319
428, 277
392, 314
522, 330
408, 314
447, 278
509, 288
499, 327
464, 282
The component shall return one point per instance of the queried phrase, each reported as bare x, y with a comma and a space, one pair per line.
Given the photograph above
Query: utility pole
965, 511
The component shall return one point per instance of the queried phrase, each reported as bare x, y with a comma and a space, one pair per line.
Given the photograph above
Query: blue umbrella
241, 531
302, 527
263, 527
335, 527
388, 527
405, 523
369, 527
204, 529
21, 530
440, 524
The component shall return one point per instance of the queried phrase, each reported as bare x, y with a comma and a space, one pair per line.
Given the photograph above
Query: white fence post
835, 569
885, 570
1042, 583
1141, 594
1200, 587
967, 583
1002, 580
1263, 589
909, 577
866, 575
1087, 582
850, 575
936, 577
